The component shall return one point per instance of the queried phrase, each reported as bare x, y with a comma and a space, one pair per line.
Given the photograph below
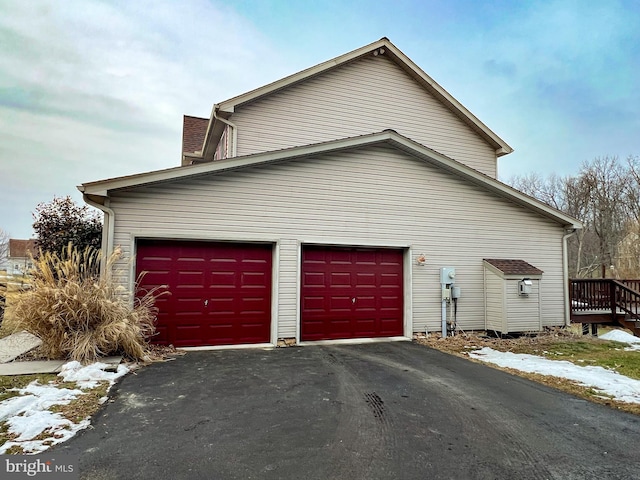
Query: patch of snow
620, 336
90, 376
36, 397
623, 337
608, 382
60, 431
28, 414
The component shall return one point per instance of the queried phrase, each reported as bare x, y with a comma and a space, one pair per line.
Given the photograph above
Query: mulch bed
157, 353
466, 341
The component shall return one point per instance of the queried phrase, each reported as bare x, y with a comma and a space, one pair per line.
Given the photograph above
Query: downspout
234, 131
108, 232
565, 277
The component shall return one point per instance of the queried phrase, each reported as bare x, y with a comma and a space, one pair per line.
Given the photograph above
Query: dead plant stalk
81, 315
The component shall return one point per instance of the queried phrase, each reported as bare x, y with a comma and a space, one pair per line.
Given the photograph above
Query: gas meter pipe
444, 318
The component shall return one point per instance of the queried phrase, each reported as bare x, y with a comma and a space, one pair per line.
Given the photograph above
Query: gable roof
99, 191
22, 248
224, 110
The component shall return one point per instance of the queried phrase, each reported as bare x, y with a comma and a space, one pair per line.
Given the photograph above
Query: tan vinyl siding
288, 291
495, 300
523, 312
373, 196
365, 96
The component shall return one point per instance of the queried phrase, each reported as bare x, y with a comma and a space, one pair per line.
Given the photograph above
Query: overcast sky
96, 89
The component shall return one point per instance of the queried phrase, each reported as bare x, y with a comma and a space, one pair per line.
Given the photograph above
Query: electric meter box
447, 275
525, 287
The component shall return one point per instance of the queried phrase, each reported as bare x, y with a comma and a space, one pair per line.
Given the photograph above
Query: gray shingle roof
513, 267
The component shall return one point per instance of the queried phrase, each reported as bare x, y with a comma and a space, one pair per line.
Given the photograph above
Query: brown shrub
81, 315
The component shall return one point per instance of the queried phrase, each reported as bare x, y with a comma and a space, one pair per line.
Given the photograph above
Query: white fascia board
192, 156
500, 146
102, 188
483, 180
229, 105
492, 269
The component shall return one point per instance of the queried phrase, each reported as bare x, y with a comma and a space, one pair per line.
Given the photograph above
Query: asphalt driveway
373, 411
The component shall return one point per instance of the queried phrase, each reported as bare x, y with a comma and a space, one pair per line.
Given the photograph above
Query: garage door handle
206, 302
353, 300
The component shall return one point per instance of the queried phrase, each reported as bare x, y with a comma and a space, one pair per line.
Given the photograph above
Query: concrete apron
17, 344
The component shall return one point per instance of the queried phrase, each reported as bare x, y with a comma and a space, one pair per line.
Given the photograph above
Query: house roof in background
193, 131
22, 248
384, 47
513, 267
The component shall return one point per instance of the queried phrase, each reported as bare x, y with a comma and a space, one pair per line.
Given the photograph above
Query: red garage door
220, 293
351, 293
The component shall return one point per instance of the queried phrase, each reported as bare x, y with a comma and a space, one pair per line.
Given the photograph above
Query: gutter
234, 130
108, 231
565, 276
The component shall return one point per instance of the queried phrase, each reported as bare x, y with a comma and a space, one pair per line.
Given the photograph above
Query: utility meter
447, 275
524, 287
450, 296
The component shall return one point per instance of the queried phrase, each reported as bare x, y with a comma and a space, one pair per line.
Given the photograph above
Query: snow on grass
28, 416
623, 337
608, 382
91, 375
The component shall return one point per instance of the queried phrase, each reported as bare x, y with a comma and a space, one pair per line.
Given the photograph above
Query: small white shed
512, 296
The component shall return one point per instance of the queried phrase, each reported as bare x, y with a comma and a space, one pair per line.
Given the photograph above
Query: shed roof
513, 267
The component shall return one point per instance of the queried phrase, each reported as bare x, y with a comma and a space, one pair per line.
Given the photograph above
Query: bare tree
4, 246
633, 188
605, 197
607, 183
568, 195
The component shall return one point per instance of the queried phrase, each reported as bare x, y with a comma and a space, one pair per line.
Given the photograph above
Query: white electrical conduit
444, 318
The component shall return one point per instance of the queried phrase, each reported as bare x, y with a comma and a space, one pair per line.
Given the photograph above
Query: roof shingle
193, 131
513, 267
22, 248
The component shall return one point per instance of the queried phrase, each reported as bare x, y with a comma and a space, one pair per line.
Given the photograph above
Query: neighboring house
323, 207
20, 259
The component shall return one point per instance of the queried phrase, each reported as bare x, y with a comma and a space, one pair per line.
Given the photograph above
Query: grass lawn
77, 410
560, 344
604, 353
8, 385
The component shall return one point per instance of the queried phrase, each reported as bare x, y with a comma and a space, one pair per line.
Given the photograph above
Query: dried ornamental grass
81, 315
3, 296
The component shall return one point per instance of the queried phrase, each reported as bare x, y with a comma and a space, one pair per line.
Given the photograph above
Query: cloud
92, 90
557, 80
500, 68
